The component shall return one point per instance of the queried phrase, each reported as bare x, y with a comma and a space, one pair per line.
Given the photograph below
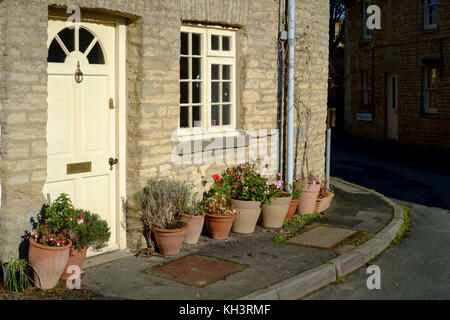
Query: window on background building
367, 87
207, 78
366, 32
430, 14
430, 89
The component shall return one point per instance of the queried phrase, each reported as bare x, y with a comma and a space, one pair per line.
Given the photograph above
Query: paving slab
323, 237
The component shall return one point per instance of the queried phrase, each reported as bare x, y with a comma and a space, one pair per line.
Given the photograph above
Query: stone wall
153, 47
399, 47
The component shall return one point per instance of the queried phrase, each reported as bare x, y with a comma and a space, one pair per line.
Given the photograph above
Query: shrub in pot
195, 218
275, 210
16, 274
310, 191
50, 244
324, 198
247, 189
87, 231
293, 205
219, 215
162, 205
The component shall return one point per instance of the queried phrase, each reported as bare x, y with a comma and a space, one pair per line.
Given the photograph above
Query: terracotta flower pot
273, 215
48, 263
169, 241
308, 199
76, 258
194, 229
250, 212
323, 204
218, 226
293, 205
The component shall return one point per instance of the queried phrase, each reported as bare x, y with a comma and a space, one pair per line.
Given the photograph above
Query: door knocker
78, 74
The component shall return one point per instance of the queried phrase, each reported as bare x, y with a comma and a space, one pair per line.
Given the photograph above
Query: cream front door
392, 107
81, 130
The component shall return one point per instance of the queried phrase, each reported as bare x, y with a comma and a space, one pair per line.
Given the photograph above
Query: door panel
81, 126
392, 106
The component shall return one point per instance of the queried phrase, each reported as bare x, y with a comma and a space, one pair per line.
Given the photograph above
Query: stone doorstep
107, 257
322, 237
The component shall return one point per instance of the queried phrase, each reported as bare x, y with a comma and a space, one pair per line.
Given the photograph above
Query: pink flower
278, 184
278, 174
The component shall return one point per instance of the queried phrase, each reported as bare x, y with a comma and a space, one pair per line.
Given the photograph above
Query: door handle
112, 162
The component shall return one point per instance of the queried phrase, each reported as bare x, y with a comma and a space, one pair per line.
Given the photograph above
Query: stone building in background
96, 110
398, 77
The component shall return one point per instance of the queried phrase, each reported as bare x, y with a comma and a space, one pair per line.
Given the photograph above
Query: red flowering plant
242, 182
313, 179
217, 204
325, 191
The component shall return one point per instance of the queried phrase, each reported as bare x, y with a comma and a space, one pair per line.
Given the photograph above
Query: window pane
196, 44
95, 56
184, 92
85, 39
215, 42
215, 89
184, 117
226, 91
226, 115
184, 68
215, 73
226, 44
215, 121
226, 73
196, 116
196, 92
196, 68
56, 53
67, 36
184, 43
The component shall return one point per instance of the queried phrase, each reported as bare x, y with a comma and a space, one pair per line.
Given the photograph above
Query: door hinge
111, 103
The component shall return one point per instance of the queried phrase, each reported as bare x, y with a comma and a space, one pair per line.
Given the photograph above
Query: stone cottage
97, 96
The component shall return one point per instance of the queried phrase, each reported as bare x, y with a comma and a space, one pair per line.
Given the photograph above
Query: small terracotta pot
169, 241
76, 258
293, 205
273, 215
48, 263
308, 199
323, 204
218, 226
194, 229
250, 212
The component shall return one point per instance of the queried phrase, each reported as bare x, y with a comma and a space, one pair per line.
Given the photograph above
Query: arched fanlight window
64, 44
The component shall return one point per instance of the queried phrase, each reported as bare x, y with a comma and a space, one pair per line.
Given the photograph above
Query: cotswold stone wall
153, 35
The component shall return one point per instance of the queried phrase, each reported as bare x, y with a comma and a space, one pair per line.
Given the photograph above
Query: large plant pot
76, 258
218, 226
293, 206
323, 204
195, 227
308, 199
169, 241
48, 263
250, 212
273, 215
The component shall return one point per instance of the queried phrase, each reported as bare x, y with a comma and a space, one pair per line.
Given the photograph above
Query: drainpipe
290, 113
280, 88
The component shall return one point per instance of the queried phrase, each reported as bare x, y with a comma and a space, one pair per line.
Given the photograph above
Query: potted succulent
324, 198
50, 244
16, 274
274, 212
195, 217
247, 189
162, 205
87, 230
310, 191
293, 206
219, 215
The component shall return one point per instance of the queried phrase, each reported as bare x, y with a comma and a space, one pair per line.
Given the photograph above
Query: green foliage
16, 278
401, 233
93, 232
297, 189
162, 203
300, 220
218, 204
242, 183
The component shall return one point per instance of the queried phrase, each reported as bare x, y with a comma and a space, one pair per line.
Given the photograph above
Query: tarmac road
418, 268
